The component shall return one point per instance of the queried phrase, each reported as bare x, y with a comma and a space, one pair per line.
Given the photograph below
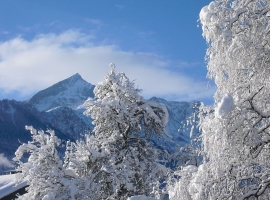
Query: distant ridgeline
58, 108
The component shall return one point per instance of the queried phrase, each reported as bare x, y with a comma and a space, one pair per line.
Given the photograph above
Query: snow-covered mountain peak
71, 92
73, 78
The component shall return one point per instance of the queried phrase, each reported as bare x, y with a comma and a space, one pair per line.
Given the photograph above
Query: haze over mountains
58, 108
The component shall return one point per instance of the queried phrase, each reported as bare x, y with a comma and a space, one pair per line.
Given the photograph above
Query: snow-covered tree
110, 172
119, 109
187, 155
43, 170
119, 162
236, 137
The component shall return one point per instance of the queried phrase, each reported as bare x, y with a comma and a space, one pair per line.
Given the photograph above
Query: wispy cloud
56, 22
4, 32
94, 21
184, 64
29, 66
4, 162
29, 28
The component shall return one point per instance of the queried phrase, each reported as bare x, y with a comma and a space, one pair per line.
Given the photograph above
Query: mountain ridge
70, 92
58, 107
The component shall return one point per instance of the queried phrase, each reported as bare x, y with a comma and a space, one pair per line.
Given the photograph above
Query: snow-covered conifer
118, 161
119, 109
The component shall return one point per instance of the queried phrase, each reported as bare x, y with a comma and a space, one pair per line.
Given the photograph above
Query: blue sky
156, 42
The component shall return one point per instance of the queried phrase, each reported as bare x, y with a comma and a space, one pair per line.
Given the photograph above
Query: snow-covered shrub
110, 171
43, 170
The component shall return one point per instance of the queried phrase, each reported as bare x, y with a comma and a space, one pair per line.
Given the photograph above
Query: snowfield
8, 185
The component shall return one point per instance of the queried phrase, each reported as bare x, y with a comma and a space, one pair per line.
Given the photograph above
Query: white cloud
94, 21
4, 161
29, 66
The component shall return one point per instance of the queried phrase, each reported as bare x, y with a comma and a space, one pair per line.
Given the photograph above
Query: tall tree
236, 138
119, 109
119, 162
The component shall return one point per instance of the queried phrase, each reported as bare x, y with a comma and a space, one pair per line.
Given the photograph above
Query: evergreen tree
118, 161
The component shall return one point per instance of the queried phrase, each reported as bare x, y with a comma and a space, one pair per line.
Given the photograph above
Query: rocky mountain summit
71, 92
60, 104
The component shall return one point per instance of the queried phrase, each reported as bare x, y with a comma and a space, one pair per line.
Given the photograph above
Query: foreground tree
43, 169
119, 162
119, 108
236, 138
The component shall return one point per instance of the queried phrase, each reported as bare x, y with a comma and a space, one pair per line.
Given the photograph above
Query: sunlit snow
8, 185
225, 106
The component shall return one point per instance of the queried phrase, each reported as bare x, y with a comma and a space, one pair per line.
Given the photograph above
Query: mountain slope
71, 92
59, 105
14, 116
67, 121
182, 124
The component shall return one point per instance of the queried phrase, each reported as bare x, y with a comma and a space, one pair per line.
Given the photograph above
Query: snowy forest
229, 159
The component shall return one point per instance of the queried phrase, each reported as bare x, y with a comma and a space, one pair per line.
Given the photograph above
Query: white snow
70, 94
140, 197
225, 106
212, 6
8, 185
206, 14
163, 107
53, 109
190, 169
